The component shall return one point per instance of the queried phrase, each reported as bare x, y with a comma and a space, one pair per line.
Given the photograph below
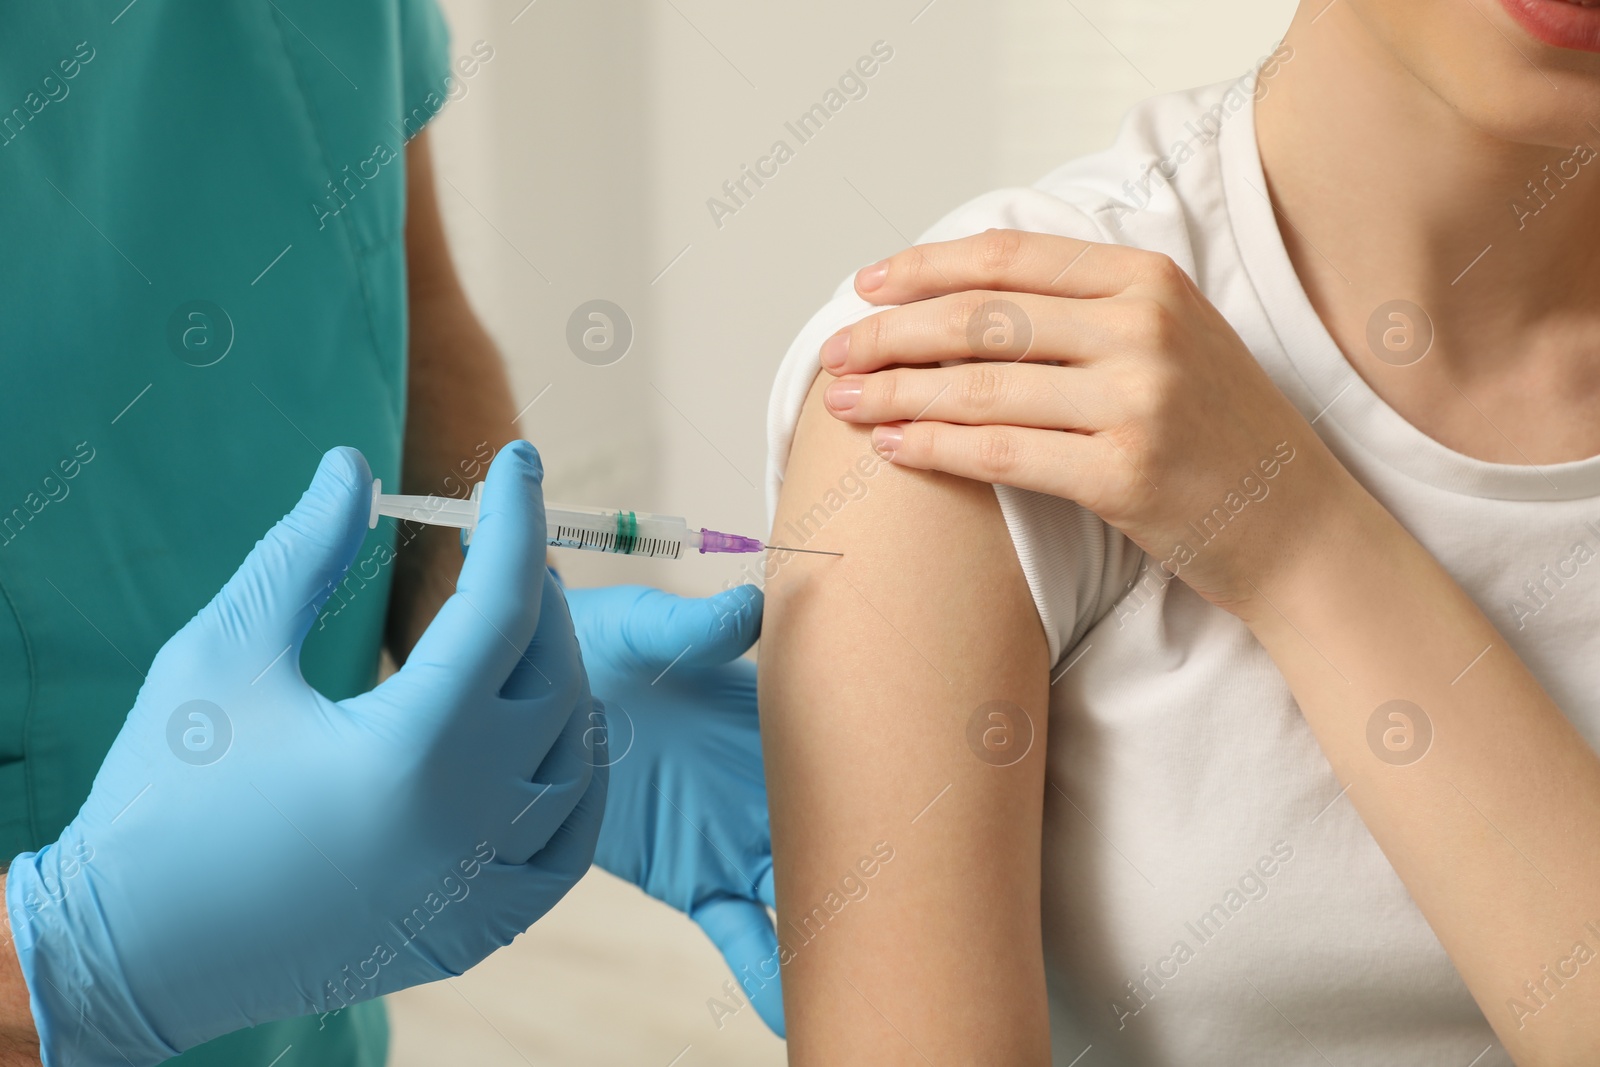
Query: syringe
630, 533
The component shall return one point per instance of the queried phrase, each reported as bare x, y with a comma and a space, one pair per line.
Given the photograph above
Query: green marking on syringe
627, 531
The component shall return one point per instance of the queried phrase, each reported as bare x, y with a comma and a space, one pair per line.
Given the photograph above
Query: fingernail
870, 278
836, 349
842, 395
886, 440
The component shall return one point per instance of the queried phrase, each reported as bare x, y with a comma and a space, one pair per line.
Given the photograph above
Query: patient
1171, 747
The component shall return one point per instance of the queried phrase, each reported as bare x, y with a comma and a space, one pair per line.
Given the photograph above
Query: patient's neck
1390, 193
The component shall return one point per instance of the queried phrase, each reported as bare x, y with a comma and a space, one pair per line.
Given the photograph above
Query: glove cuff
82, 1009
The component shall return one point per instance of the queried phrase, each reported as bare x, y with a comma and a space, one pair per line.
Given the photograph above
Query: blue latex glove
252, 850
686, 819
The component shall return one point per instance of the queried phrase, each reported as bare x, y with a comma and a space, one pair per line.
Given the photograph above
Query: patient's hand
1121, 388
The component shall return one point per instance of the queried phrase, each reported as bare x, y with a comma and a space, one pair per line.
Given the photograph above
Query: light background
578, 167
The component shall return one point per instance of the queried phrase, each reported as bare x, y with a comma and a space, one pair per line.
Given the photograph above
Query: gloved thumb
274, 596
661, 628
742, 932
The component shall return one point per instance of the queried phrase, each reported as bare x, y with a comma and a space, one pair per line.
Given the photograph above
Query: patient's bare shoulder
838, 494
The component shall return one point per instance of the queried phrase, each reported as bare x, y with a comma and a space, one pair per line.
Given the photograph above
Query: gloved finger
569, 851
559, 781
742, 931
664, 629
528, 889
482, 630
274, 596
552, 657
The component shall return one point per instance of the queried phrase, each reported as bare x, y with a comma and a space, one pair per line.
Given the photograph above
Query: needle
811, 551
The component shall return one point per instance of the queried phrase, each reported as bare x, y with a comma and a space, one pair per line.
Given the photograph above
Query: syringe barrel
632, 533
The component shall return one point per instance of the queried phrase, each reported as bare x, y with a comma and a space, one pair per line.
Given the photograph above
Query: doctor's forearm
458, 407
459, 414
19, 1041
1483, 796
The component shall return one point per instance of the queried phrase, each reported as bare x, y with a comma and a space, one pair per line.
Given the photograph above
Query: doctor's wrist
19, 1041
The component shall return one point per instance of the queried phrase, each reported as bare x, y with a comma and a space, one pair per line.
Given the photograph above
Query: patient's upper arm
898, 685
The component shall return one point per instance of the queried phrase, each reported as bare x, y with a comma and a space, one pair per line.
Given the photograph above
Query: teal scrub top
202, 288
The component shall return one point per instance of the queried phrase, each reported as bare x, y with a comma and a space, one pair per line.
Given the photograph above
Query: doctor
224, 257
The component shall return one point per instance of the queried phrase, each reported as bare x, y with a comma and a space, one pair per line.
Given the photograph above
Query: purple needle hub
712, 541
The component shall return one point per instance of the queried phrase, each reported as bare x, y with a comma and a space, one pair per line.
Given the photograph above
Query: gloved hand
251, 850
686, 818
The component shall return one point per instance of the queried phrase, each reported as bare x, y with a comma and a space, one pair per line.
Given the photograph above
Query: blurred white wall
578, 167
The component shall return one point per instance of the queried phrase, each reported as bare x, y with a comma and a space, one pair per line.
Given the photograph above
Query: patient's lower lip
1560, 23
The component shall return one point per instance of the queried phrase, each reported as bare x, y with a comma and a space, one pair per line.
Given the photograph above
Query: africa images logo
199, 733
